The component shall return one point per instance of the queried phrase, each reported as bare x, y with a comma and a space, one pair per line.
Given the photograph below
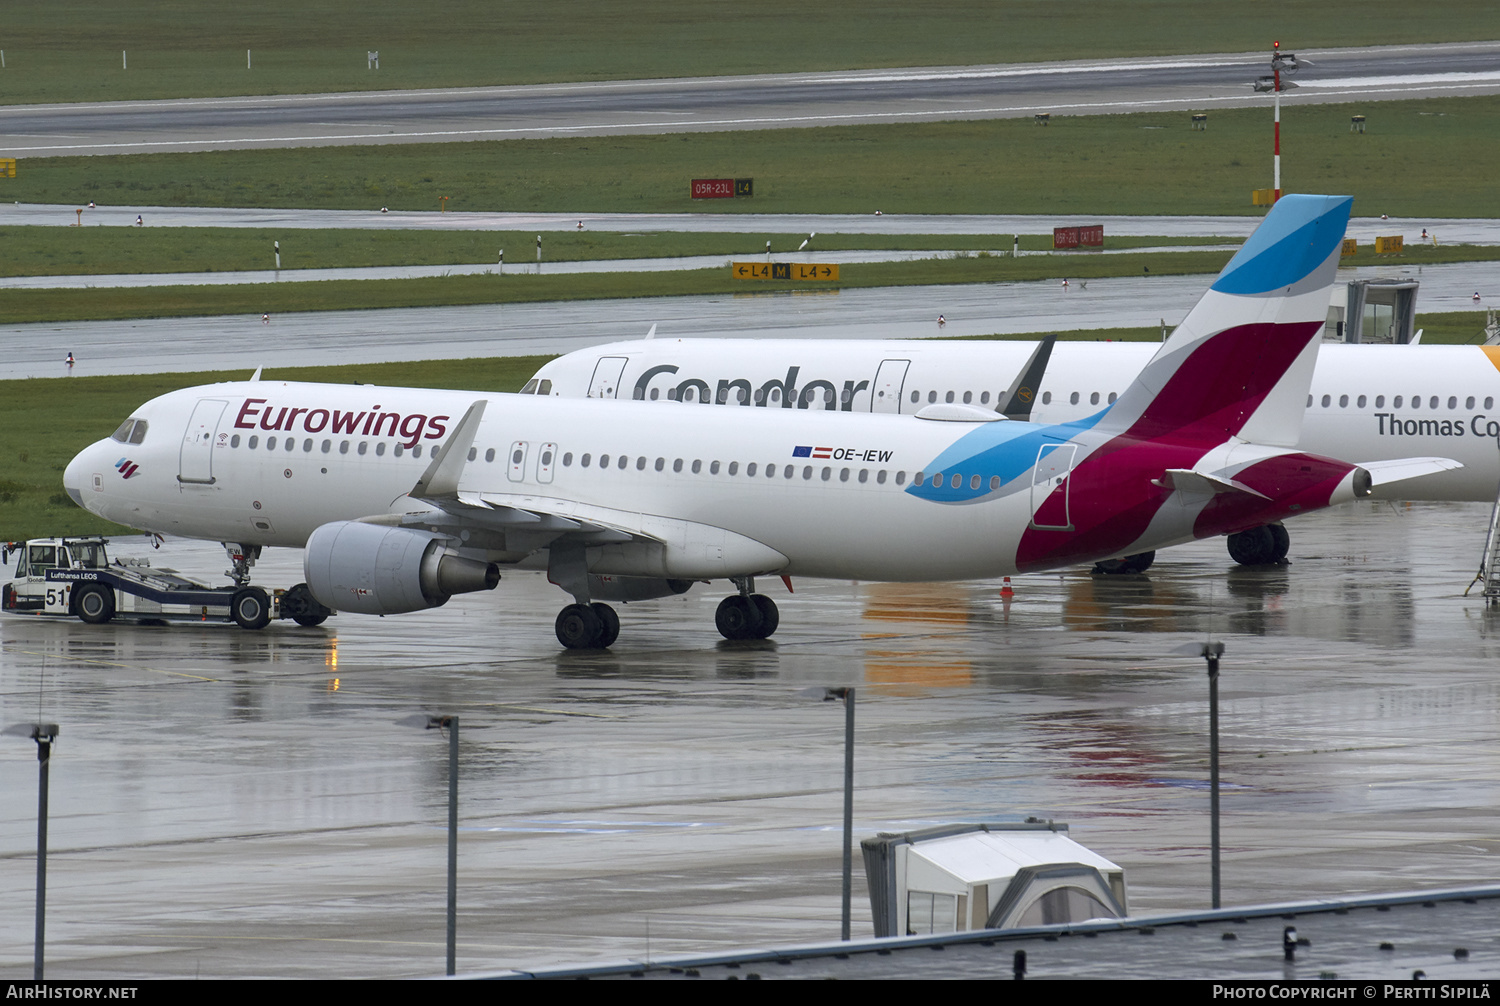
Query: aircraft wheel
95, 603
609, 625
1254, 547
1283, 542
770, 617
300, 606
737, 617
578, 628
1138, 563
250, 608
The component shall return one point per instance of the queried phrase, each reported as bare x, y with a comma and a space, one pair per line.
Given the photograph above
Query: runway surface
1469, 230
328, 337
232, 804
920, 94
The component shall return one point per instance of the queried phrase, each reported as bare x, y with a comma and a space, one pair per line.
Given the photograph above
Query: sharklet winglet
440, 480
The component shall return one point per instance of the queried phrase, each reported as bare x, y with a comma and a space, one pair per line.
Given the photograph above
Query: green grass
1132, 164
69, 50
70, 251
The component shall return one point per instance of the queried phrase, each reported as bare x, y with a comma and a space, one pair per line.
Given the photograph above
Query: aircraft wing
1400, 469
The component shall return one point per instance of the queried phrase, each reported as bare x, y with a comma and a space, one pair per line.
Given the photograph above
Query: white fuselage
1367, 403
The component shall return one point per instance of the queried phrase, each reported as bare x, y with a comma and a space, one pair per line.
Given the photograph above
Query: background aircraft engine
379, 570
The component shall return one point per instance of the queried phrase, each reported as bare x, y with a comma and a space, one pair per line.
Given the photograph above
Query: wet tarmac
242, 804
334, 337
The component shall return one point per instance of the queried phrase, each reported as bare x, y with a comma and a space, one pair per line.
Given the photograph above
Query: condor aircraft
403, 497
1369, 403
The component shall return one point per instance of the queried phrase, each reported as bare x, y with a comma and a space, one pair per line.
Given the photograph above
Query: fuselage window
1396, 402
363, 447
974, 482
399, 450
416, 451
789, 470
624, 460
1343, 401
713, 468
1359, 402
931, 397
489, 455
604, 461
1309, 401
1432, 403
677, 465
584, 461
1489, 403
344, 447
880, 477
958, 480
380, 449
327, 446
139, 433
864, 475
846, 397
968, 397
1416, 401
949, 399
528, 390
307, 446
1094, 398
916, 479
655, 394
270, 443
900, 478
1073, 398
473, 453
916, 396
807, 473
291, 443
568, 459
734, 467
1453, 401
750, 469
234, 441
1046, 398
1112, 397
843, 475
661, 463
640, 463
1469, 402
252, 443
994, 482
1327, 400
1379, 401
546, 388
984, 398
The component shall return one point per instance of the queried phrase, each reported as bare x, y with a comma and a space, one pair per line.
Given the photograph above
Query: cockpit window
530, 388
131, 431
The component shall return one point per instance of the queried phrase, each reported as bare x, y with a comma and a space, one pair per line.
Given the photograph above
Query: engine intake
378, 570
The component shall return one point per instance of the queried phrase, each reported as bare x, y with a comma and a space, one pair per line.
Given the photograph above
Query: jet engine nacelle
380, 570
634, 588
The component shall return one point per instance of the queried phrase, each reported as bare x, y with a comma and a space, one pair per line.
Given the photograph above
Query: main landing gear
747, 615
587, 626
1260, 546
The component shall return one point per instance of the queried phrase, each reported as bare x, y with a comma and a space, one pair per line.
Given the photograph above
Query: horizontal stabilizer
1184, 480
1397, 470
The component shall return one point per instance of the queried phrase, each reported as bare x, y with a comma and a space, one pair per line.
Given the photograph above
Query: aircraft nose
74, 476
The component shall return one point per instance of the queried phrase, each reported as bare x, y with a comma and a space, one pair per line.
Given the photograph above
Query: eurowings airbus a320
404, 497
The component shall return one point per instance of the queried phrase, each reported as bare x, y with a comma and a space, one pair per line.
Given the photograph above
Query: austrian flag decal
812, 452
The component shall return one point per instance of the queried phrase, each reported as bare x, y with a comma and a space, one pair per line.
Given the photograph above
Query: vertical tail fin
1240, 364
